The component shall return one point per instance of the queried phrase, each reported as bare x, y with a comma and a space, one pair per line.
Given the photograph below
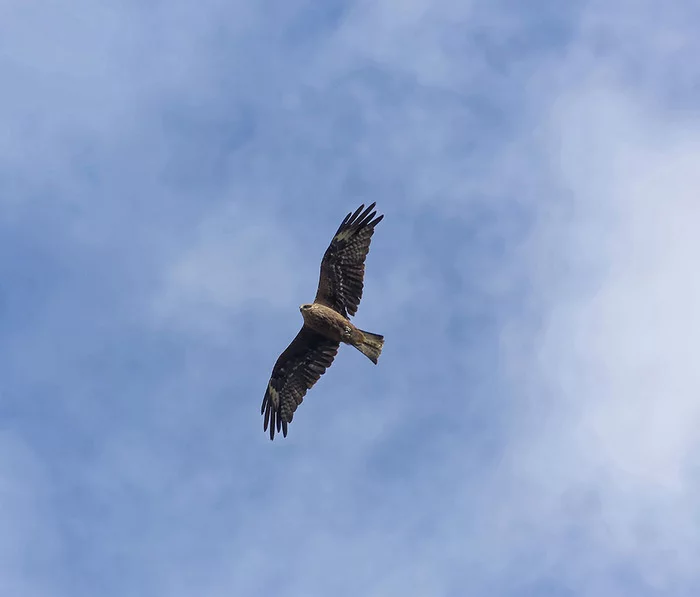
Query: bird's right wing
297, 369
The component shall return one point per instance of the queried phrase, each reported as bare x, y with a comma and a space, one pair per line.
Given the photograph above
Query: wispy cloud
171, 177
615, 353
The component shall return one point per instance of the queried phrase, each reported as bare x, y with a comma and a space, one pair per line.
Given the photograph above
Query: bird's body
334, 326
326, 322
330, 323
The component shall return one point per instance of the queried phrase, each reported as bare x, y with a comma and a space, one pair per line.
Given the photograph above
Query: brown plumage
326, 322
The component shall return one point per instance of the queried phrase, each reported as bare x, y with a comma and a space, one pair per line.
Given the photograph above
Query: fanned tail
371, 345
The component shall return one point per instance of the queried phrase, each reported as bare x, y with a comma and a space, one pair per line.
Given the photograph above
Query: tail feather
371, 345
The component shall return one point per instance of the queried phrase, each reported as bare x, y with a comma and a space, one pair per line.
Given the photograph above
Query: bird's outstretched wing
343, 266
297, 369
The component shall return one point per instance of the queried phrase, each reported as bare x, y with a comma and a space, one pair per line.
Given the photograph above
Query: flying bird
326, 322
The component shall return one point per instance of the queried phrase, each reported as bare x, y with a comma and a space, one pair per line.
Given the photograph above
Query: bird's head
305, 307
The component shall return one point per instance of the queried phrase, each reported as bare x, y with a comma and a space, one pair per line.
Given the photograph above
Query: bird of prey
326, 322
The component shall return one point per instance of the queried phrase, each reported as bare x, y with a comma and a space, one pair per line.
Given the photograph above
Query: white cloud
402, 480
603, 451
411, 38
615, 357
240, 258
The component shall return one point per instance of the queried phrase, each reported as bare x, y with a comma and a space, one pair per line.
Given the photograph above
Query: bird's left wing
297, 369
343, 266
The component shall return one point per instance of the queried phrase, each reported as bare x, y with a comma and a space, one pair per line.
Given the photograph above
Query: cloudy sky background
170, 175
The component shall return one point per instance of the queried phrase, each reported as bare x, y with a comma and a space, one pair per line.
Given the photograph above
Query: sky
170, 175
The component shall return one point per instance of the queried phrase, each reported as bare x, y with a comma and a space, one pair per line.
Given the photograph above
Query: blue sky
170, 175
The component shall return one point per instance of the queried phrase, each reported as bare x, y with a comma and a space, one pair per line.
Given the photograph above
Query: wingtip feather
361, 218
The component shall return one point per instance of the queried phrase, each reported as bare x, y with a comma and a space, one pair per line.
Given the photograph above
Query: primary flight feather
326, 322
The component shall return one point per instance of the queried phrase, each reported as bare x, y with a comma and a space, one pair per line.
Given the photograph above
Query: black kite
326, 322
